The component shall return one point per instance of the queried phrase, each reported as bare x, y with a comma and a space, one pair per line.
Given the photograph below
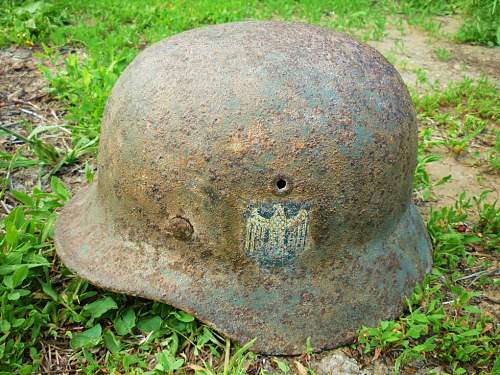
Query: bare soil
464, 177
415, 50
25, 103
24, 93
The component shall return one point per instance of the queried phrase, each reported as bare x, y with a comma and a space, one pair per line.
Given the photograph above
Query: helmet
257, 175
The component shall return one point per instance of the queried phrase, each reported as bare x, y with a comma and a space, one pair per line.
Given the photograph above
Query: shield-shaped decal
276, 233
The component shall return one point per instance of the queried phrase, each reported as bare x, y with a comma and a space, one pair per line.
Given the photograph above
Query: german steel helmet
257, 175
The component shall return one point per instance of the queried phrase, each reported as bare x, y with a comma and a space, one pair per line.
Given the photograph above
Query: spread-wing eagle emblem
276, 234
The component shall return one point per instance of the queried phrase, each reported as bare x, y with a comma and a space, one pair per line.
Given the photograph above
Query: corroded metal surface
257, 175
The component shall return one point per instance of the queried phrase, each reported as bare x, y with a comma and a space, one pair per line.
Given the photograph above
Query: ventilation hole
281, 184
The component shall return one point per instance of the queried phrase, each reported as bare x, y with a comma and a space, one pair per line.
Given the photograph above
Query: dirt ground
414, 50
25, 104
464, 177
24, 97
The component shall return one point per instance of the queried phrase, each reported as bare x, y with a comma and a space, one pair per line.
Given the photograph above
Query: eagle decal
276, 233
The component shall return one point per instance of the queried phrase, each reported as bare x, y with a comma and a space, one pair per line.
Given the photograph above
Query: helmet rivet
181, 228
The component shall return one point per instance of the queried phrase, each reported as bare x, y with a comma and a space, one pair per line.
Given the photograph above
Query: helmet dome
259, 176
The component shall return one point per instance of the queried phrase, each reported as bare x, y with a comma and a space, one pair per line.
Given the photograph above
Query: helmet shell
259, 176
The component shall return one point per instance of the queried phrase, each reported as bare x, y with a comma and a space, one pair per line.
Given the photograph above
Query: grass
47, 312
462, 116
443, 54
481, 18
482, 24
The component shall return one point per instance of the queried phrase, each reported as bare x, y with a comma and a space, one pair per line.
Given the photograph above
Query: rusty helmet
259, 176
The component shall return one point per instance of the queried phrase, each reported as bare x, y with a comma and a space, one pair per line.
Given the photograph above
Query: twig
11, 124
40, 117
53, 113
485, 272
19, 101
5, 207
492, 300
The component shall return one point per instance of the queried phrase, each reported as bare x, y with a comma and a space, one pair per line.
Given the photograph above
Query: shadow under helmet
257, 175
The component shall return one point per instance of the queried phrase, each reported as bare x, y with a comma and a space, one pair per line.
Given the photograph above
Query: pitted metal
257, 175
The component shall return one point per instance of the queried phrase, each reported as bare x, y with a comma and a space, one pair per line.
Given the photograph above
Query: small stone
381, 369
338, 363
377, 368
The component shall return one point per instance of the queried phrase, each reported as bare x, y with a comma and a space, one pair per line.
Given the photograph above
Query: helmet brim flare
280, 311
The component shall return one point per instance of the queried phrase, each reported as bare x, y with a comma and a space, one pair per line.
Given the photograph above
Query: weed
25, 247
481, 18
443, 54
492, 155
461, 112
30, 22
45, 154
482, 23
422, 184
454, 118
